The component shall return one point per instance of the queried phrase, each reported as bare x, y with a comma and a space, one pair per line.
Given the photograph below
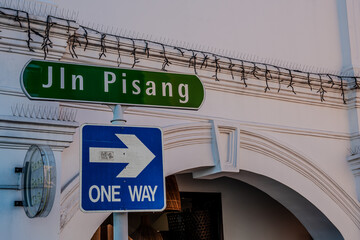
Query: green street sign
47, 80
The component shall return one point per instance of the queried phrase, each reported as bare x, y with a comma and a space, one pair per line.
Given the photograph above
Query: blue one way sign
121, 169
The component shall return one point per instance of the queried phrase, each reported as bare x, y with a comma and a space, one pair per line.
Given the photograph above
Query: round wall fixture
39, 181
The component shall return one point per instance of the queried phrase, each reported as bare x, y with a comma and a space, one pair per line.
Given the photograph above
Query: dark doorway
200, 218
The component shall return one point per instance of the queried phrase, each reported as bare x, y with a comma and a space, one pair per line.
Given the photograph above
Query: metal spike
48, 112
26, 110
245, 56
18, 4
67, 13
253, 58
191, 46
39, 10
61, 13
284, 63
126, 33
168, 40
13, 110
61, 114
51, 10
21, 110
31, 111
135, 35
276, 62
64, 14
65, 114
273, 61
72, 15
116, 31
306, 68
76, 15
44, 112
46, 9
74, 115
223, 52
54, 113
97, 27
36, 111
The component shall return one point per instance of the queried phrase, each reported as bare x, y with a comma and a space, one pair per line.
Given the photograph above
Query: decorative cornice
225, 145
129, 51
20, 132
354, 163
187, 134
193, 117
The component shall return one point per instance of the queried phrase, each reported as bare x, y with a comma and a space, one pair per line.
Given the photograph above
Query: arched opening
271, 176
245, 211
315, 222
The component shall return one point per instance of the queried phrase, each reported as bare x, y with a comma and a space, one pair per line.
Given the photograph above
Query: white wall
305, 32
14, 222
302, 32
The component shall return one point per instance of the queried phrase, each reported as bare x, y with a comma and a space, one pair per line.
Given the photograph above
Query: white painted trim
15, 42
21, 132
224, 161
286, 155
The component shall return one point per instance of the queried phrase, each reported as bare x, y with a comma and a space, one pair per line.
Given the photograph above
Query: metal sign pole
120, 220
102, 177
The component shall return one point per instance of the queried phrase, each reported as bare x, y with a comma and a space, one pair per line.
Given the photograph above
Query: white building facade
277, 135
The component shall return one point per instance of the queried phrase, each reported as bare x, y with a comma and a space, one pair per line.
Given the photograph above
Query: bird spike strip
245, 67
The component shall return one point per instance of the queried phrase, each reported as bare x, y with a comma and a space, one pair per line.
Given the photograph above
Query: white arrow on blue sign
121, 169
